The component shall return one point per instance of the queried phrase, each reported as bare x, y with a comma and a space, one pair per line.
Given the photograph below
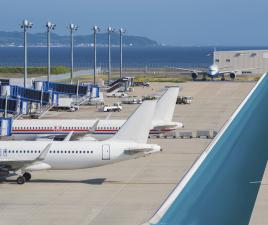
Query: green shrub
35, 70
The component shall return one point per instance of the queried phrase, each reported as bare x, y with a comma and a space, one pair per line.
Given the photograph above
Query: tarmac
127, 193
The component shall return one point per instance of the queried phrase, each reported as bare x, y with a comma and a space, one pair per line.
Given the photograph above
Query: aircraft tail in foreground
137, 126
222, 186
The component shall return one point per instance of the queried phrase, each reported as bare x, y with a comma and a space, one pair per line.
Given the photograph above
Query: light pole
72, 28
25, 25
50, 26
121, 32
110, 30
95, 29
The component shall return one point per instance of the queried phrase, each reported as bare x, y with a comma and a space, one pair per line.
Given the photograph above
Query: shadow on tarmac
96, 181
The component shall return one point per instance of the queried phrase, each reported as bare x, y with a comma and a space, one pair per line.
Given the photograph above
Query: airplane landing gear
27, 176
21, 180
223, 78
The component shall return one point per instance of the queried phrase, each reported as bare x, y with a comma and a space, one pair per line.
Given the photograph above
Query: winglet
44, 153
69, 136
94, 126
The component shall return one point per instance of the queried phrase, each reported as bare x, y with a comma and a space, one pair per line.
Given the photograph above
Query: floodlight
26, 24
72, 27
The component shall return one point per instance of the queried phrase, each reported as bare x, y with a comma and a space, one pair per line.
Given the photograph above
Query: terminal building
249, 62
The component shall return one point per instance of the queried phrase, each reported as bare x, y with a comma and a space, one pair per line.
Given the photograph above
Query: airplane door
3, 153
106, 152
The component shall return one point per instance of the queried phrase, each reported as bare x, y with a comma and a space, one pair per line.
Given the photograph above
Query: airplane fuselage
213, 70
104, 128
70, 155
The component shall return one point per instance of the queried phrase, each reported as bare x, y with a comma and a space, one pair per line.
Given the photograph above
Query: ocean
132, 57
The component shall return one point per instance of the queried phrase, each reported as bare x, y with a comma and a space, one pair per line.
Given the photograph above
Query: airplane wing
222, 71
187, 70
16, 164
222, 185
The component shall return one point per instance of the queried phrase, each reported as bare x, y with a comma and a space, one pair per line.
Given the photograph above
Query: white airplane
22, 157
222, 185
213, 71
100, 129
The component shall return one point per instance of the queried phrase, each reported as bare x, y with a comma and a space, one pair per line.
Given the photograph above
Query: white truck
116, 107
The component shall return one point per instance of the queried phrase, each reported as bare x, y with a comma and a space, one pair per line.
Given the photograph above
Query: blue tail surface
222, 186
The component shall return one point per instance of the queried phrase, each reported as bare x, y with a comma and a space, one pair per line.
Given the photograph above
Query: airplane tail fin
166, 105
138, 125
222, 186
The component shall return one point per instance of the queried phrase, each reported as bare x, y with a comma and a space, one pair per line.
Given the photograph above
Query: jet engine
194, 75
232, 75
37, 167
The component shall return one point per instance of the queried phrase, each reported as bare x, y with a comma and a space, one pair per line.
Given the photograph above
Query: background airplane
214, 71
22, 157
86, 129
222, 186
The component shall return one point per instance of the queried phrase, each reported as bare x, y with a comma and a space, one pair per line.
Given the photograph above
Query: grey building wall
244, 61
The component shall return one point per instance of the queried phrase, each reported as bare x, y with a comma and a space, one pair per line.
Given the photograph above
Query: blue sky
172, 22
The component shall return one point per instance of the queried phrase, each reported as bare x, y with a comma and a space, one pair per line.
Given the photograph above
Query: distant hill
40, 39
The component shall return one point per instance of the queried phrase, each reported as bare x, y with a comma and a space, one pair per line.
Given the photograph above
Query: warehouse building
249, 62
